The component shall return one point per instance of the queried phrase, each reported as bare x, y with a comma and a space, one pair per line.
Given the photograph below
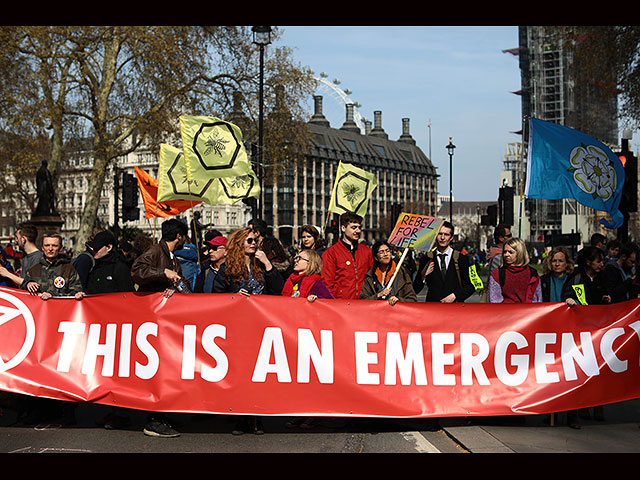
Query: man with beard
26, 235
157, 269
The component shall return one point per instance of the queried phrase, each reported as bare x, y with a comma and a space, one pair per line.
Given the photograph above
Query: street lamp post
262, 38
450, 149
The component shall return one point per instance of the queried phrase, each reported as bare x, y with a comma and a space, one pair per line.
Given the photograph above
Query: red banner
266, 355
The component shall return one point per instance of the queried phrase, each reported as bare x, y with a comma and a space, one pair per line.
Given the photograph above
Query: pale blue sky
457, 77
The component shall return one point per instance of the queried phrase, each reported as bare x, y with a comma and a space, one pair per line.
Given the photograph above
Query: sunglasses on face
250, 240
298, 257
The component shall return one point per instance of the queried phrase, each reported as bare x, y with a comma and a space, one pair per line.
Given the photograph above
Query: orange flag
149, 189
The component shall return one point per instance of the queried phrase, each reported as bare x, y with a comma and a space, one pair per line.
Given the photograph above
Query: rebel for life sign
415, 231
267, 355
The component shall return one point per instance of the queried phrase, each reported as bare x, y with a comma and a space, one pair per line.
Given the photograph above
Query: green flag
212, 148
172, 178
351, 190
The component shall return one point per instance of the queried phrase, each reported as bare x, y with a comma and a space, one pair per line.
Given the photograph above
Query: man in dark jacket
110, 273
53, 276
619, 275
217, 252
445, 271
157, 269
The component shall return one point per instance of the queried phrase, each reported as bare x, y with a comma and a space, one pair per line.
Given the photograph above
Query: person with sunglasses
247, 270
216, 250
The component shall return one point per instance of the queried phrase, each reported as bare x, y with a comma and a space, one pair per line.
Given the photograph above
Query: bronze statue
44, 187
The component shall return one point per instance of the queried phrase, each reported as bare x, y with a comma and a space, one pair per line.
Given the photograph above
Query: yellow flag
230, 190
172, 178
212, 148
351, 190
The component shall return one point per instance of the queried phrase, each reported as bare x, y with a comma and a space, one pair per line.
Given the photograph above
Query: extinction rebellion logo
17, 331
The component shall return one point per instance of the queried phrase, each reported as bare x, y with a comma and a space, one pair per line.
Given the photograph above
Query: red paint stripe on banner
265, 355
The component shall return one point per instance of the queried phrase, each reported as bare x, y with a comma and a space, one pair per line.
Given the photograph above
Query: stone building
406, 180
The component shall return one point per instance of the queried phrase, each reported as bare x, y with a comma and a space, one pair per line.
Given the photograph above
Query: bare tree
126, 86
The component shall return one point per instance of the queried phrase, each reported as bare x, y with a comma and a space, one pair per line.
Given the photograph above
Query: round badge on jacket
59, 282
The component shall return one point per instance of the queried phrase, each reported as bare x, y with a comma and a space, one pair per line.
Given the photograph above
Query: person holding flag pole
380, 282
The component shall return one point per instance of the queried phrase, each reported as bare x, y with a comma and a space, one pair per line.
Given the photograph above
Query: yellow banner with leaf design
352, 190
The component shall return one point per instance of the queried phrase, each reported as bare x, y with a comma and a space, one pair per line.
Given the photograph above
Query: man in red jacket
346, 262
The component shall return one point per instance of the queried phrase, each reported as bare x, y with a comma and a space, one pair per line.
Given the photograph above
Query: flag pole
195, 228
524, 121
398, 266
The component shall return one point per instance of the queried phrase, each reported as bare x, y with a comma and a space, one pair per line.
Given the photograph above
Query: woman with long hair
588, 274
384, 268
557, 267
306, 281
515, 281
277, 255
247, 270
310, 239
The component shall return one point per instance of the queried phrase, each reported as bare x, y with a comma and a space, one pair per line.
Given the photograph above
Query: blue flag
566, 163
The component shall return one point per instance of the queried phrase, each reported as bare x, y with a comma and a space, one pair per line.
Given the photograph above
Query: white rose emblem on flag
593, 171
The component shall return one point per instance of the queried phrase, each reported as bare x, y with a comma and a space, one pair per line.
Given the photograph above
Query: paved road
619, 433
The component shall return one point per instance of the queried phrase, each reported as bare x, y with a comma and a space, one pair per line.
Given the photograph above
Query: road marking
422, 445
50, 449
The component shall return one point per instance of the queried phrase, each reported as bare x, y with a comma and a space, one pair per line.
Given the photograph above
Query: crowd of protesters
250, 261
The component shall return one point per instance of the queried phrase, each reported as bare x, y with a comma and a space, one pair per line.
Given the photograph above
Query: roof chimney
349, 124
367, 127
406, 135
377, 125
318, 118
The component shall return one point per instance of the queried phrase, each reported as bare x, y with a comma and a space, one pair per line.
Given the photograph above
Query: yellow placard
475, 278
579, 289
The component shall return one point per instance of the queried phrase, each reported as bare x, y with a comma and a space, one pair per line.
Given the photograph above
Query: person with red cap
217, 251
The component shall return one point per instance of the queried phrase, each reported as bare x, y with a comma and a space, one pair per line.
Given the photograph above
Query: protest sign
415, 231
272, 355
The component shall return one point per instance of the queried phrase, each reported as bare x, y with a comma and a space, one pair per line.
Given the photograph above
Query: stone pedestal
46, 224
